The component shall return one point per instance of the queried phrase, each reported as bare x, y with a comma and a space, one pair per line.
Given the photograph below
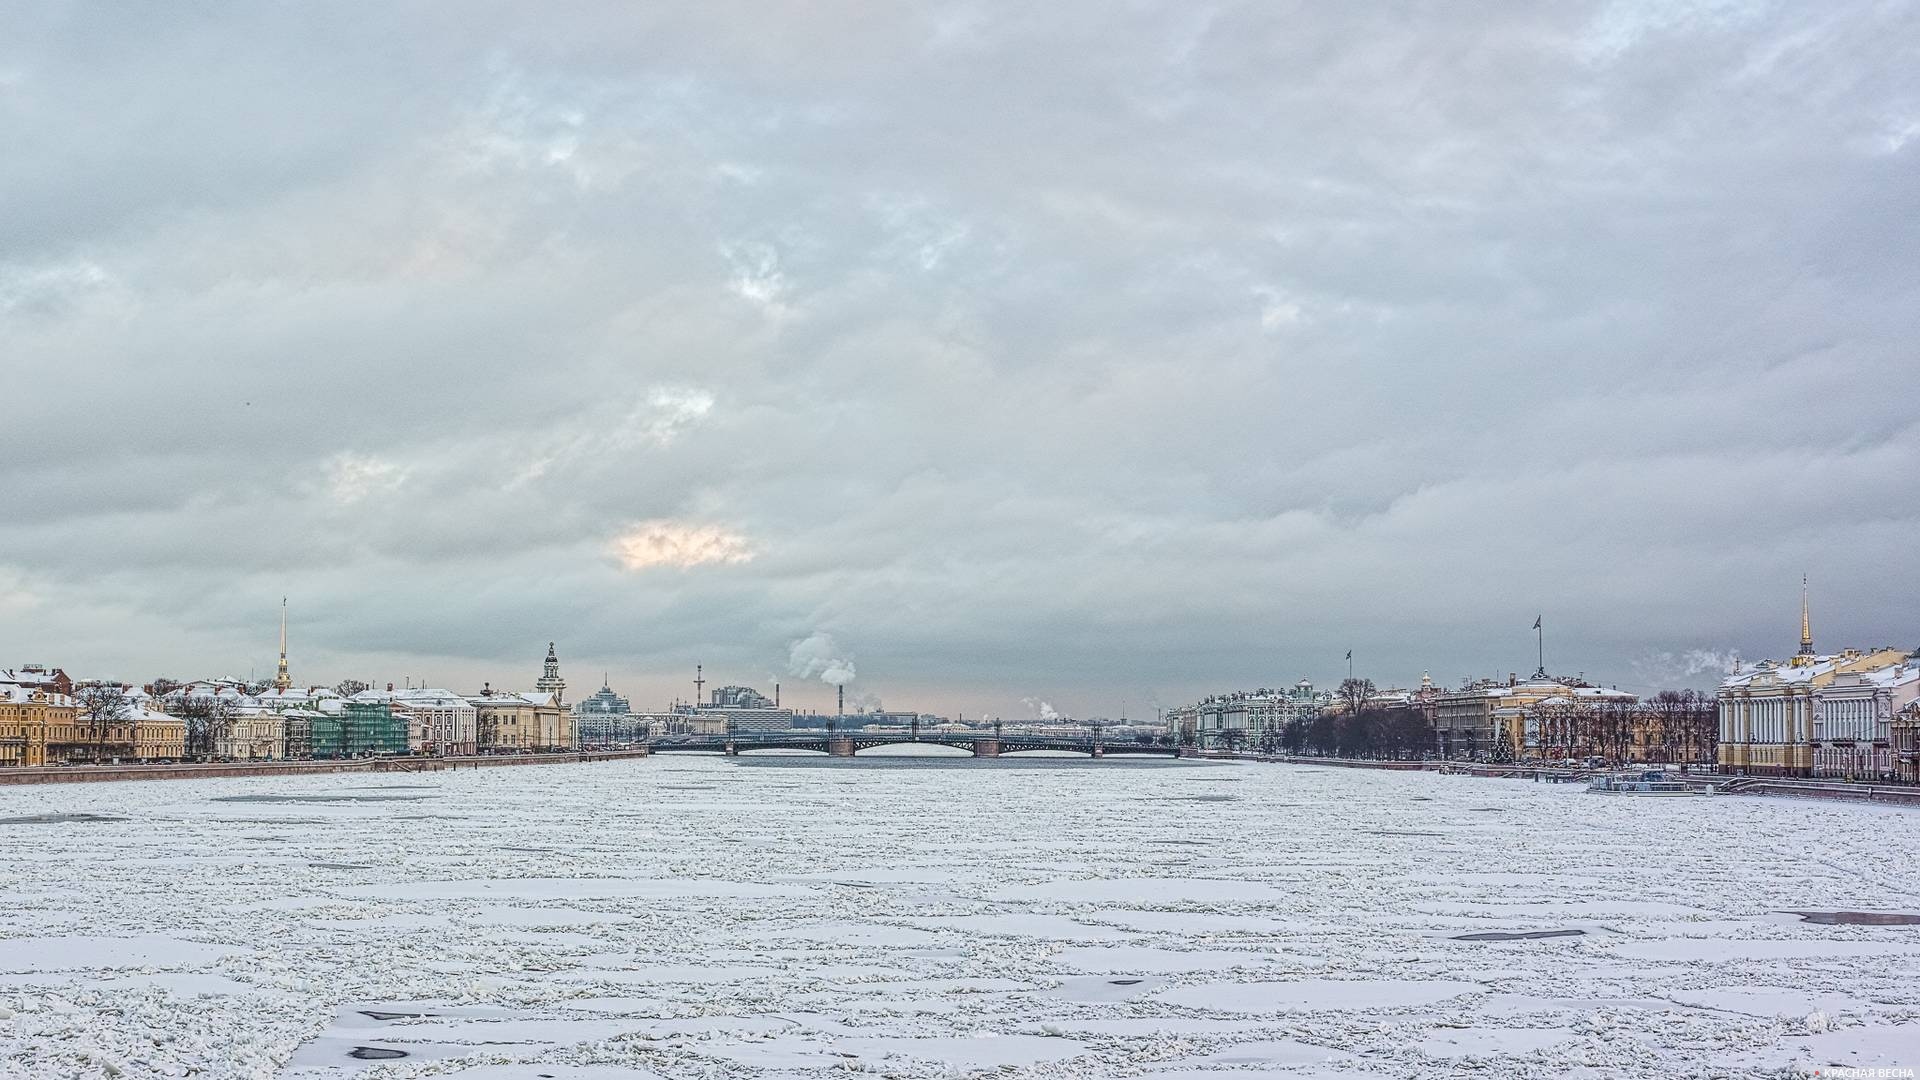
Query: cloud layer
1099, 356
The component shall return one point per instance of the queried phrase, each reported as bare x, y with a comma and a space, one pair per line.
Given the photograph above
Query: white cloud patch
757, 277
352, 478
649, 544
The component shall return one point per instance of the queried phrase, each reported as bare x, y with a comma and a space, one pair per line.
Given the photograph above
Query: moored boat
1641, 782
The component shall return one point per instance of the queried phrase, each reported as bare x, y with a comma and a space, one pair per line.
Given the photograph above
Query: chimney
841, 708
389, 688
776, 695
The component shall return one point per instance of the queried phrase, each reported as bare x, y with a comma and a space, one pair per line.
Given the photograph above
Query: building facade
1814, 714
29, 717
734, 710
1904, 739
1517, 720
1246, 719
438, 722
365, 726
1853, 717
509, 722
604, 719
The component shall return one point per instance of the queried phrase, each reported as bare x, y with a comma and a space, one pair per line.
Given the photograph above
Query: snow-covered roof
17, 694
510, 697
430, 699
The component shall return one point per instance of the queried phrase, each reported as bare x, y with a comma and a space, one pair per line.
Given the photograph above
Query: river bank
80, 774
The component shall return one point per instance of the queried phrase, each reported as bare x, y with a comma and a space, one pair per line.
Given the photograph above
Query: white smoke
1041, 709
1662, 670
817, 656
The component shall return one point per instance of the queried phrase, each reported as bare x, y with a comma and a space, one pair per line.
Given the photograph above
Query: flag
1536, 621
1349, 654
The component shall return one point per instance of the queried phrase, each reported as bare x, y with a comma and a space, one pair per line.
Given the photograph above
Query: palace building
1815, 714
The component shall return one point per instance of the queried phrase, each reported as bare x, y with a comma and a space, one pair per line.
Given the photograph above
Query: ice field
791, 917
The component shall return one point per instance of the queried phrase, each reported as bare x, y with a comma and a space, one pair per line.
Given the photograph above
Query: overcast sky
1102, 355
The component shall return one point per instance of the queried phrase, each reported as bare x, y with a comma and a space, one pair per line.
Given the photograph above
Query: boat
1641, 782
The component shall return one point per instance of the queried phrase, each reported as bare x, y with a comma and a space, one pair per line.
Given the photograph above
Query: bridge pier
986, 748
1099, 750
732, 749
839, 746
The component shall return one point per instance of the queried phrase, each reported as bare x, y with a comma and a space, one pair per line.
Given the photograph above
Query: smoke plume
817, 656
1041, 709
1690, 667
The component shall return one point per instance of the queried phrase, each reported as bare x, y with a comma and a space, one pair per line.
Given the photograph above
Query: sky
993, 358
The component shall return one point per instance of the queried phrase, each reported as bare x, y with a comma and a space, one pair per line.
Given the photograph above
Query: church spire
1806, 620
282, 680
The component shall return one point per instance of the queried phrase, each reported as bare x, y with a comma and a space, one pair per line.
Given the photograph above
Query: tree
103, 707
163, 686
350, 687
1353, 694
1233, 738
1294, 735
209, 719
1323, 735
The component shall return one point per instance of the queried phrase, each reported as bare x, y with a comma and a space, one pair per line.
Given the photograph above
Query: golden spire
282, 680
1806, 620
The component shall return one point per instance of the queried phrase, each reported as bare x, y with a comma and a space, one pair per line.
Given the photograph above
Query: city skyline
1095, 358
809, 694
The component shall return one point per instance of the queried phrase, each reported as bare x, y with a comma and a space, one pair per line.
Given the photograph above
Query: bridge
849, 743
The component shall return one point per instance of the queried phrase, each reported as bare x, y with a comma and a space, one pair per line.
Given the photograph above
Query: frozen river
697, 917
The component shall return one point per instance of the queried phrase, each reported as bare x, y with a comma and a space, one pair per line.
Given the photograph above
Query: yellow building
253, 735
507, 721
29, 718
155, 736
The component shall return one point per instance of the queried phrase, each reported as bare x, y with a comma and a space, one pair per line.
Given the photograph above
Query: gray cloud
1088, 357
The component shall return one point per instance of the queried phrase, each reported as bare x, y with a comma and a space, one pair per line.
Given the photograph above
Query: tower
282, 680
1806, 620
550, 681
699, 684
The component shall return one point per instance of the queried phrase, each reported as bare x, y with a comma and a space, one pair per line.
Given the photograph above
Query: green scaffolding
359, 729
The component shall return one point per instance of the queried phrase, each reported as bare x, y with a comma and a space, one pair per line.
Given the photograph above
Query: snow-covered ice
792, 917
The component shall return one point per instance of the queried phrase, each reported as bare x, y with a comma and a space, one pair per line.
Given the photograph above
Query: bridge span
849, 743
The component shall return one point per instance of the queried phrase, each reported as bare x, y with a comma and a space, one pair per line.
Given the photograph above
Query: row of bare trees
1673, 726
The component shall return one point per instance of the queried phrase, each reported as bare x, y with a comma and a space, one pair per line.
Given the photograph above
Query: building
736, 709
1247, 719
366, 725
1904, 739
438, 722
250, 734
31, 717
42, 728
550, 682
512, 722
298, 725
40, 677
1815, 714
604, 718
1853, 718
1516, 720
154, 736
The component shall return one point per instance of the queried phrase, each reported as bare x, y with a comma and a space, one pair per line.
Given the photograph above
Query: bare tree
103, 706
1353, 693
209, 719
350, 687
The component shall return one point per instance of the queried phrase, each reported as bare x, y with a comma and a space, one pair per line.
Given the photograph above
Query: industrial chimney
841, 708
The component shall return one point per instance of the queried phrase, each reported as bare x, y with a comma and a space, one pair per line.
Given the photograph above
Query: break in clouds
1082, 354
